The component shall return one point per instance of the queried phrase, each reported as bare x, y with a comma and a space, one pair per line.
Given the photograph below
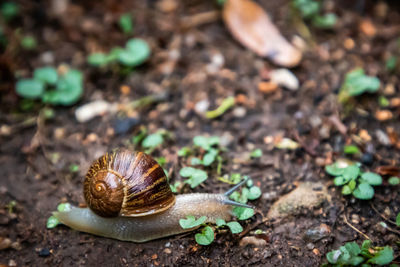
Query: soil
36, 153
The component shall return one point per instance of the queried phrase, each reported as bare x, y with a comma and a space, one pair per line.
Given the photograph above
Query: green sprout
351, 149
195, 176
126, 24
394, 180
311, 10
352, 254
353, 180
357, 83
52, 221
206, 236
51, 87
257, 153
28, 43
226, 104
250, 192
135, 53
9, 10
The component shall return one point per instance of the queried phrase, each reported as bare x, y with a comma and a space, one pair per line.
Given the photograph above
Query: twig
199, 19
383, 216
355, 229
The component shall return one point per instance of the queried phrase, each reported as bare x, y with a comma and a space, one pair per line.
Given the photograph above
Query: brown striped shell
126, 183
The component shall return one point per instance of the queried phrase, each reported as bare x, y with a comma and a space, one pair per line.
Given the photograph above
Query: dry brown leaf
251, 26
388, 170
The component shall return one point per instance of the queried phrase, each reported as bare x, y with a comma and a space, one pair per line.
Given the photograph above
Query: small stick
383, 216
355, 229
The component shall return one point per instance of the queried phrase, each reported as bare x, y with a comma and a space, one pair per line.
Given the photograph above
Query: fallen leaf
252, 27
388, 170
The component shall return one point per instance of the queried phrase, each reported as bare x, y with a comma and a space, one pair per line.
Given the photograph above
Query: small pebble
124, 125
317, 233
310, 246
267, 87
90, 110
252, 240
239, 112
367, 159
383, 115
12, 263
382, 137
285, 78
202, 106
5, 243
44, 252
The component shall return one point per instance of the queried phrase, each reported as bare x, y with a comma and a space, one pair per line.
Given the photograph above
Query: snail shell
126, 183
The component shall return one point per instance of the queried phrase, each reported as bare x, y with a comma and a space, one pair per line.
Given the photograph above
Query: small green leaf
346, 190
28, 42
235, 227
382, 257
209, 158
220, 222
174, 187
351, 149
184, 151
334, 169
47, 75
353, 248
340, 180
73, 168
326, 21
398, 219
29, 88
243, 213
364, 191
333, 256
206, 237
371, 178
257, 153
391, 63
307, 9
114, 53
394, 180
383, 101
9, 10
126, 24
352, 185
98, 59
196, 161
191, 222
196, 176
153, 140
254, 193
69, 89
137, 52
357, 83
52, 222
187, 171
366, 245
206, 143
351, 172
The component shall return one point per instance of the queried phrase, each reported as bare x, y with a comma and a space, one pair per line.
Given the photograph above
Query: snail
129, 199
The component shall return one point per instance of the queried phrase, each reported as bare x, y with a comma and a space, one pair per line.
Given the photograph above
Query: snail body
129, 199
